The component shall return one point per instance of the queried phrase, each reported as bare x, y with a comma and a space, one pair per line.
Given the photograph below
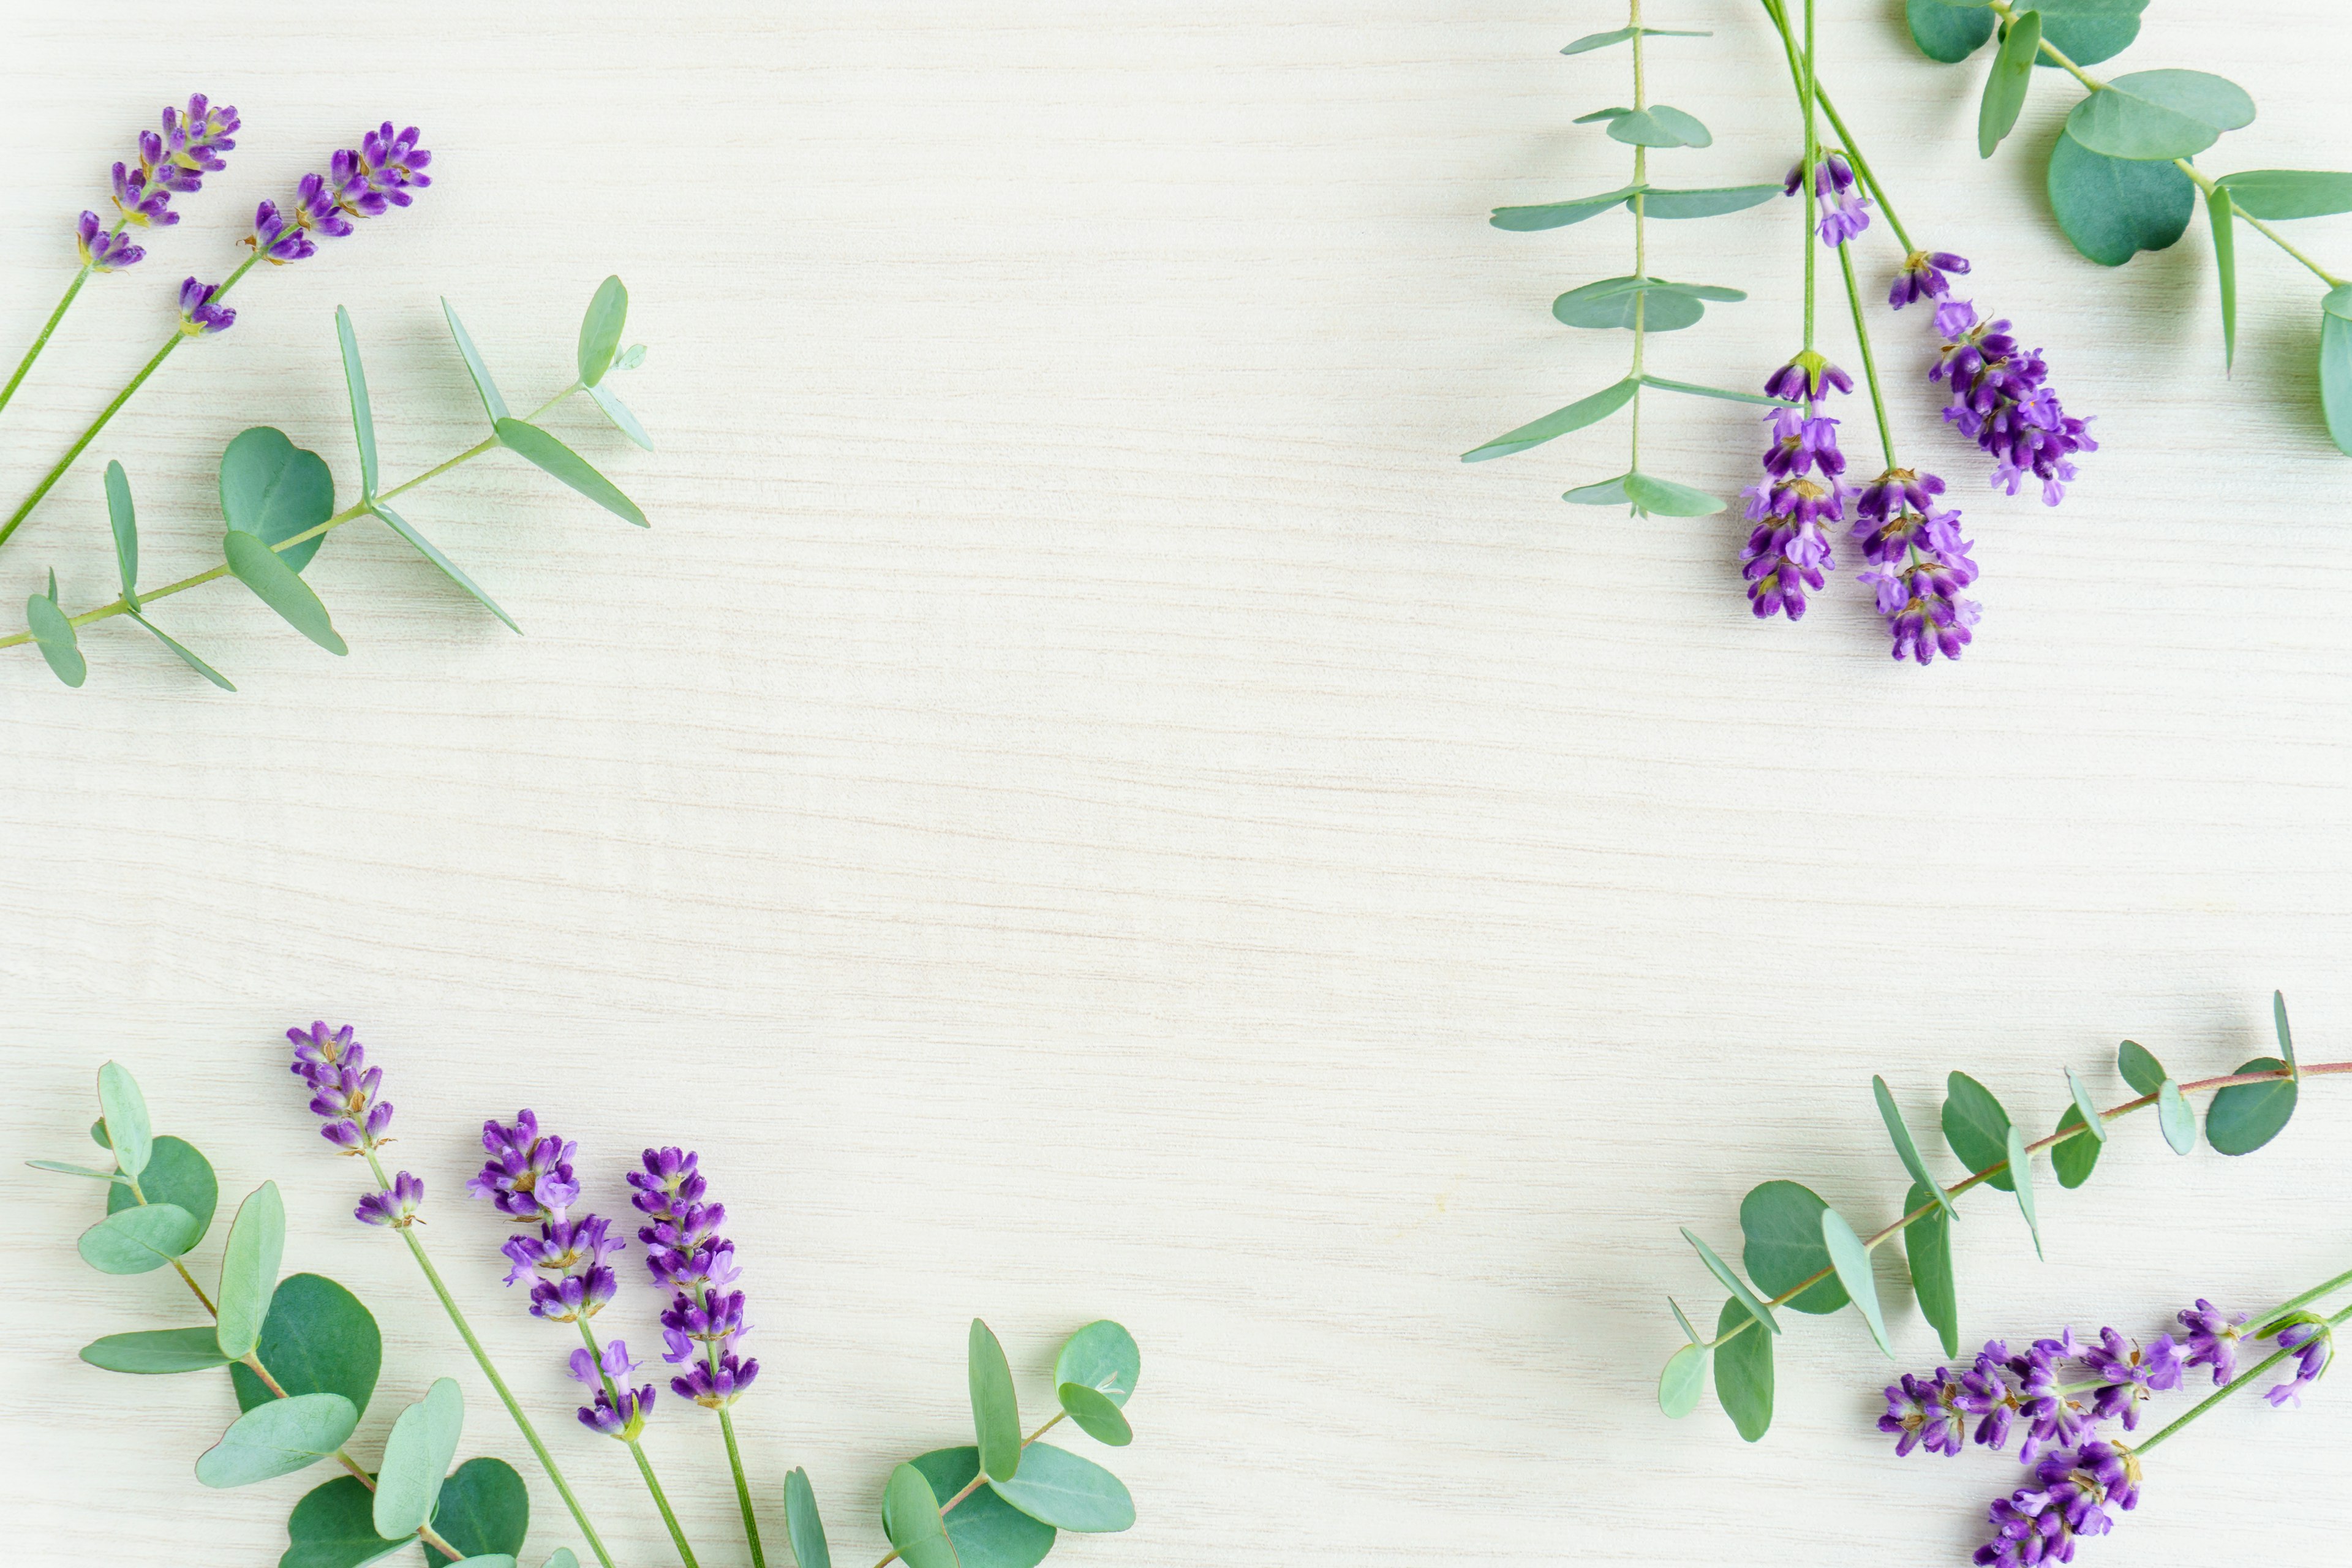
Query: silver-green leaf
256, 1243
493, 403
995, 1409
2005, 86
1682, 1378
128, 1131
1559, 422
2160, 114
1852, 1260
273, 582
134, 1241
278, 1439
2172, 1114
1904, 1149
2020, 1168
449, 568
555, 457
600, 331
124, 519
362, 415
416, 1456
1731, 1281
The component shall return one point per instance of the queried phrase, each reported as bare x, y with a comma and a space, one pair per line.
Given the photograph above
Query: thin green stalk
48, 327
482, 1359
973, 1485
1772, 8
734, 1454
2219, 1394
637, 1448
2260, 1320
1641, 246
1805, 190
16, 520
1977, 1178
1869, 365
349, 514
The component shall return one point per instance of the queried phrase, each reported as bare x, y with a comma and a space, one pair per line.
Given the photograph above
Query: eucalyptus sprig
1803, 1255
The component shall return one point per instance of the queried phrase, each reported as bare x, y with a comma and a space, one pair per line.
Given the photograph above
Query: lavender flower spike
2072, 1492
2001, 398
1923, 277
2212, 1339
619, 1411
396, 1207
102, 251
1788, 550
198, 315
362, 181
343, 1087
2316, 1342
685, 1254
172, 162
1921, 565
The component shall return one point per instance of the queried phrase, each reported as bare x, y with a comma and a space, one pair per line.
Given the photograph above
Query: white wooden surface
1080, 805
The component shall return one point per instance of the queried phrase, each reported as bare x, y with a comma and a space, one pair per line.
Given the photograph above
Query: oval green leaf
363, 416
334, 1527
128, 1131
1851, 1260
1559, 214
186, 658
2089, 31
449, 568
177, 1173
1682, 1378
618, 413
278, 1439
1783, 1223
1613, 301
124, 518
2111, 208
1659, 125
810, 1549
134, 1241
2245, 1116
562, 1558
157, 1351
1977, 1128
272, 490
1743, 1372
2279, 193
256, 1243
1559, 422
416, 1456
2335, 365
910, 1518
2225, 268
484, 1511
569, 465
985, 1530
1946, 33
1056, 1486
2139, 1066
1710, 201
2074, 1158
1688, 1333
1096, 1416
2021, 1166
2005, 86
600, 331
2172, 1114
1655, 497
1102, 1356
273, 582
1904, 1149
2088, 1109
1927, 1248
318, 1339
53, 633
493, 403
995, 1408
2160, 114
1731, 1282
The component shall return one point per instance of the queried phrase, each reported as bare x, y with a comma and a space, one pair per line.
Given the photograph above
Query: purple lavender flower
2129, 1373
571, 1298
2315, 1341
2054, 1417
687, 1255
172, 162
1920, 562
396, 1207
2212, 1339
1788, 550
1989, 1390
2001, 398
104, 252
1923, 277
395, 165
1925, 1412
343, 1087
1806, 377
1843, 207
362, 181
198, 315
2072, 1494
618, 1411
526, 1177
560, 1246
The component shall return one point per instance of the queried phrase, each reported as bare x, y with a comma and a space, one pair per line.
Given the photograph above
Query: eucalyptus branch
972, 1486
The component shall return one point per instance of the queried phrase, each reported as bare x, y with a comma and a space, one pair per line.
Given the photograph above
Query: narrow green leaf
1743, 1372
2021, 1166
125, 518
569, 465
1706, 201
618, 413
2087, 1107
1927, 1247
1682, 1378
2283, 194
128, 1132
810, 1549
449, 568
2139, 1066
1977, 1128
2113, 208
53, 633
1056, 1486
1659, 125
492, 404
1688, 1333
1652, 496
2225, 268
62, 1169
1662, 305
1904, 1149
189, 660
1946, 33
995, 1409
2278, 1023
278, 1439
910, 1518
1102, 1356
273, 582
272, 490
177, 1173
2005, 87
1559, 214
1853, 1261
2172, 1114
485, 1511
985, 1530
1600, 114
2160, 114
1559, 422
1695, 390
2335, 365
2245, 1116
1602, 40
1096, 1416
2074, 1158
363, 416
600, 331
157, 1351
318, 1339
417, 1454
257, 1241
1731, 1282
1783, 1224
334, 1527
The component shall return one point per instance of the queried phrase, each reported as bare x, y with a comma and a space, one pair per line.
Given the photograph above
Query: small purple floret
1924, 277
2314, 1342
2072, 1494
396, 1207
2212, 1339
1843, 208
198, 314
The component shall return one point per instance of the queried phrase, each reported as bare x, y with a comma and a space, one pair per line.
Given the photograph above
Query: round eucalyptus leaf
416, 1456
2005, 85
484, 1511
2245, 1116
281, 586
1101, 1356
1654, 497
272, 490
1056, 1486
278, 1439
561, 1557
2111, 208
986, 1530
2086, 1109
157, 1351
1711, 201
1946, 33
2172, 1114
1782, 1222
1905, 1149
600, 331
1927, 1248
177, 1173
256, 1242
2074, 1158
1096, 1416
2140, 1068
1743, 1372
2160, 114
1559, 422
911, 1518
134, 1241
127, 1129
318, 1339
1729, 1280
1685, 1376
1602, 492
1659, 125
2089, 31
1559, 214
333, 1527
2335, 365
1977, 1128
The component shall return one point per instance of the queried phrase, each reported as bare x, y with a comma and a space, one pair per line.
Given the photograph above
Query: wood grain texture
1081, 806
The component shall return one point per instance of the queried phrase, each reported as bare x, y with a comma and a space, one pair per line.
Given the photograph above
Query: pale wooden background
1081, 805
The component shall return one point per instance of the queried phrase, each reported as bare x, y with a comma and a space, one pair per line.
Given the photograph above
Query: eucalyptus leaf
124, 518
1927, 1248
134, 1241
271, 489
318, 1339
911, 1518
1652, 496
157, 1351
1977, 1128
2087, 1108
2160, 114
2283, 194
128, 1132
1708, 200
334, 1527
1056, 1486
449, 568
1659, 125
802, 1523
995, 1409
600, 331
1695, 389
1731, 1282
1688, 1333
1682, 1378
53, 633
985, 1530
1559, 214
494, 404
2074, 1158
1662, 305
1783, 1223
1851, 1260
562, 1558
363, 416
1096, 1416
2279, 1026
273, 582
178, 1173
2335, 365
1102, 1356
1743, 1372
2021, 1166
2111, 208
419, 1453
1559, 422
1946, 33
1600, 114
2089, 31
256, 1242
2225, 268
618, 413
2005, 85
569, 465
2172, 1114
1904, 1149
1602, 40
485, 1511
278, 1439
186, 658
2139, 1066
116, 1177
2245, 1116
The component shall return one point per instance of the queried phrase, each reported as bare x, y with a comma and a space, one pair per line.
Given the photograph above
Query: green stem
974, 1484
1977, 1178
349, 514
637, 1449
734, 1454
482, 1359
1869, 365
2243, 1380
2261, 1320
1641, 246
1805, 198
48, 327
1837, 123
